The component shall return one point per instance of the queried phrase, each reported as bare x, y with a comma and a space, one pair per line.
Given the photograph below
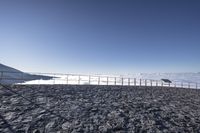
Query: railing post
22, 74
89, 79
122, 81
1, 76
140, 82
99, 80
115, 81
54, 79
79, 79
145, 82
107, 80
128, 81
151, 83
134, 81
162, 83
67, 79
188, 85
156, 82
196, 86
181, 84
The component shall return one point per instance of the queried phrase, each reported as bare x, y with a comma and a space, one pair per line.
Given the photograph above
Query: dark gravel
63, 109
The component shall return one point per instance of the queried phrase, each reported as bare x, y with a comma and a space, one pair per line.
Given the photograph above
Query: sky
100, 36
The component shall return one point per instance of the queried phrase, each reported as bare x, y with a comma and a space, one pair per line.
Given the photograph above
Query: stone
94, 109
49, 126
103, 129
36, 131
10, 115
66, 125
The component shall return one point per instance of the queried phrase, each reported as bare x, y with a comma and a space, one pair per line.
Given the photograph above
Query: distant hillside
7, 68
10, 75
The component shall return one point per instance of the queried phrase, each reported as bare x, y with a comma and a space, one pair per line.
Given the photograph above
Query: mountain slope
9, 75
7, 68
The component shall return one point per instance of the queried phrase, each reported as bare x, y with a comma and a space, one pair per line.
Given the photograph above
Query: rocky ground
63, 109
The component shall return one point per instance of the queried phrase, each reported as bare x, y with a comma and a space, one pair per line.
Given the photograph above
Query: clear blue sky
100, 36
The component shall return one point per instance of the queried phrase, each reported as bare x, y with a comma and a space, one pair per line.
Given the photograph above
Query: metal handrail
108, 80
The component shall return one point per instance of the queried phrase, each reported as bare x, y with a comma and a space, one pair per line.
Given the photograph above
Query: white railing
78, 79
